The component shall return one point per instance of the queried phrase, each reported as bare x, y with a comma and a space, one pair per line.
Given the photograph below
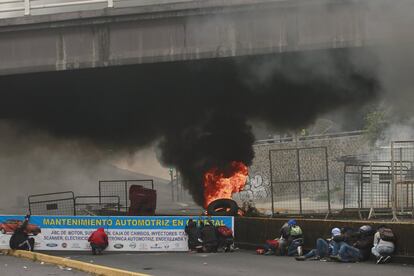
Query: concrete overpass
174, 30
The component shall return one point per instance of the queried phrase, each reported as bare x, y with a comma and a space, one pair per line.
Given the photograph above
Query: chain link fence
299, 180
97, 205
120, 188
382, 181
53, 204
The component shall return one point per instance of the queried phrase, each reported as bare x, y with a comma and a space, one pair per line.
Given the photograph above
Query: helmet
336, 232
365, 229
291, 222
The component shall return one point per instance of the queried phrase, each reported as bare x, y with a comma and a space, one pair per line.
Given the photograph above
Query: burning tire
223, 207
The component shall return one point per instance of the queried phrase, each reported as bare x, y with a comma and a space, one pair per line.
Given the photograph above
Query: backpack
386, 234
225, 231
295, 231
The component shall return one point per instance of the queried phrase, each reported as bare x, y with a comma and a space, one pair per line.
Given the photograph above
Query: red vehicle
10, 225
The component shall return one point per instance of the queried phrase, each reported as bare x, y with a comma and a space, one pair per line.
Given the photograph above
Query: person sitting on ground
98, 241
291, 239
324, 248
270, 247
193, 233
209, 237
225, 238
355, 245
383, 244
20, 238
365, 241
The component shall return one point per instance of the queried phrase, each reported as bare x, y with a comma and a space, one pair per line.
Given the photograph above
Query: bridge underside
175, 33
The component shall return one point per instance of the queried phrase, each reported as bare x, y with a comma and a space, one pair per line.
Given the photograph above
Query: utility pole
171, 171
177, 184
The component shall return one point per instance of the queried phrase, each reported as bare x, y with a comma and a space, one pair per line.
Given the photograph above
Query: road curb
82, 266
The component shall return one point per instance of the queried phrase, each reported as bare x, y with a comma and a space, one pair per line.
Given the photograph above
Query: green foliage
375, 124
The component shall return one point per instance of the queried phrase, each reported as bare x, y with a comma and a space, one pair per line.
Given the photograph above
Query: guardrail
20, 8
310, 137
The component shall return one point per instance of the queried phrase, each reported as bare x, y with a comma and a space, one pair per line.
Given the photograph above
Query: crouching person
194, 236
98, 241
383, 244
209, 238
20, 238
291, 240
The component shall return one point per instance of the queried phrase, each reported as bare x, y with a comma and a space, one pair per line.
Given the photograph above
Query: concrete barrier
252, 232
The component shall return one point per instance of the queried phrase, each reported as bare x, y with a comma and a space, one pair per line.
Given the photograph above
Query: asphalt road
12, 266
237, 264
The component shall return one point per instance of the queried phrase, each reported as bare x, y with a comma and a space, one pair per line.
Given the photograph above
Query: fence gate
120, 188
299, 180
402, 160
60, 204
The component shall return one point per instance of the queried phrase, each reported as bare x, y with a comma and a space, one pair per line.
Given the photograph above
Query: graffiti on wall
257, 188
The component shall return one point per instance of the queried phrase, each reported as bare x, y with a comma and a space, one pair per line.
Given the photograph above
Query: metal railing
61, 203
19, 8
310, 137
95, 205
121, 188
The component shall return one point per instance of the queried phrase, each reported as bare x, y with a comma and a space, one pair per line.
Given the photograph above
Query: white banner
124, 233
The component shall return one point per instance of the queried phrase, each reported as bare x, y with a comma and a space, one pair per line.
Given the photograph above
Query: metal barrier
61, 203
97, 205
120, 188
403, 180
385, 181
19, 8
299, 179
326, 136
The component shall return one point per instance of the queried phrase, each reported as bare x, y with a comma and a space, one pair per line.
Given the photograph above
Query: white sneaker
380, 259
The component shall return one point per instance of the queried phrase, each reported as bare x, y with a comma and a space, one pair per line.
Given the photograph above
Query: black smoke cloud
197, 110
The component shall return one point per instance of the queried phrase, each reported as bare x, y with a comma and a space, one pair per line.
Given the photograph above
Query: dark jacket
20, 235
208, 234
349, 235
99, 237
364, 244
193, 233
285, 231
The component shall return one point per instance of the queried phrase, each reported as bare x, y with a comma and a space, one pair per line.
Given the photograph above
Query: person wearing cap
291, 238
324, 248
365, 241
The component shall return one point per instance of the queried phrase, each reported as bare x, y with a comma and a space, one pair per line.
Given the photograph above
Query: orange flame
218, 185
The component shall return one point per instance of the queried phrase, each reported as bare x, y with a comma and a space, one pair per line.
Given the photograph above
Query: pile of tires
223, 207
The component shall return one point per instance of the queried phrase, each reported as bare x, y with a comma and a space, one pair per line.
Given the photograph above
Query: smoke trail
197, 110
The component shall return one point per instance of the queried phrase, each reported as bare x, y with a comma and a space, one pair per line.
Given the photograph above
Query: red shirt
99, 237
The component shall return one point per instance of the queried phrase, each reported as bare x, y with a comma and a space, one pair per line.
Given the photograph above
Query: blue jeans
335, 247
322, 249
378, 251
293, 247
349, 253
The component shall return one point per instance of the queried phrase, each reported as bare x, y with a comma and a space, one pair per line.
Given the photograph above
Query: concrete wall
252, 232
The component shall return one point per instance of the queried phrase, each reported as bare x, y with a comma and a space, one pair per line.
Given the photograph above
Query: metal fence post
344, 195
299, 180
26, 7
126, 195
393, 190
271, 183
327, 180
